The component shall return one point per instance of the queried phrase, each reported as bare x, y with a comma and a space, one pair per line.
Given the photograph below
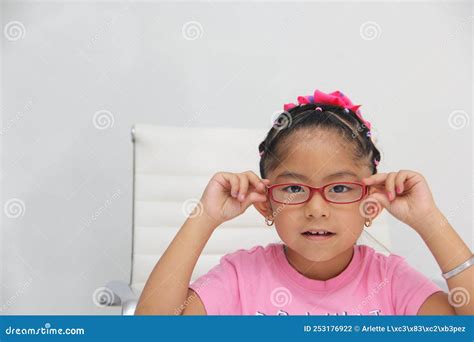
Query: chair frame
123, 294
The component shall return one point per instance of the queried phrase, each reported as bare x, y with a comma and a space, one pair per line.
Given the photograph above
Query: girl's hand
229, 194
405, 194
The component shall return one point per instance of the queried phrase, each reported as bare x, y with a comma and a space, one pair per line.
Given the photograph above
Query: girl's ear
375, 196
264, 208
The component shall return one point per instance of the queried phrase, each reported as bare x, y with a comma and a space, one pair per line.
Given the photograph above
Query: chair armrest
124, 295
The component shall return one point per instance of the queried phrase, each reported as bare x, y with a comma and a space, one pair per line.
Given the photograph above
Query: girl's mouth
318, 236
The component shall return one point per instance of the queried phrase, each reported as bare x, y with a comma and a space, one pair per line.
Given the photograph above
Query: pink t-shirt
261, 281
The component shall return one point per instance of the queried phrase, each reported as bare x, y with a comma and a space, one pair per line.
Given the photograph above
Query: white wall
73, 180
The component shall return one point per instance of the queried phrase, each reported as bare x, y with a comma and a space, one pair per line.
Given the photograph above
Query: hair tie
335, 98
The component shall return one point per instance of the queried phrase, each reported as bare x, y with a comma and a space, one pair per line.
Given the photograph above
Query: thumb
252, 198
380, 198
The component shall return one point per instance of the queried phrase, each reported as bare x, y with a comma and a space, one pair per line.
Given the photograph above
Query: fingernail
241, 197
234, 194
398, 190
389, 195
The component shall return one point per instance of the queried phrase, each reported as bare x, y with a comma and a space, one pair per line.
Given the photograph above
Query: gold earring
369, 224
268, 221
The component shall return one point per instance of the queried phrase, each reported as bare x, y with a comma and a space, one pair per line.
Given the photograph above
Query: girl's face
317, 160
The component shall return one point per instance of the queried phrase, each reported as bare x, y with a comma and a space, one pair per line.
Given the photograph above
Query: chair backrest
172, 166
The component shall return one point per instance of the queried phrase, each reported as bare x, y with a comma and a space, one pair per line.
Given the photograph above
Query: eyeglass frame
365, 191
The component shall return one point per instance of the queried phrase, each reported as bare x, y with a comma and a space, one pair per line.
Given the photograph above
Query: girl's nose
317, 206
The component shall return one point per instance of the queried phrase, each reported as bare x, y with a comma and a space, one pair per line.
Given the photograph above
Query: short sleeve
218, 288
410, 288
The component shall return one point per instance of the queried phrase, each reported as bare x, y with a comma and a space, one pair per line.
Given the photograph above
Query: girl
319, 186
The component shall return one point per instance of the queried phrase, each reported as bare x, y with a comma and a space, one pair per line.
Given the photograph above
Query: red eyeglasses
298, 193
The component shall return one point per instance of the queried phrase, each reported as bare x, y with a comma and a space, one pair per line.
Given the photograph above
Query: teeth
318, 233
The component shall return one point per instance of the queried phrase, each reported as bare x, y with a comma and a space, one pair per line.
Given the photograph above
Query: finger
400, 181
267, 185
233, 181
256, 181
378, 178
243, 186
390, 185
254, 197
380, 198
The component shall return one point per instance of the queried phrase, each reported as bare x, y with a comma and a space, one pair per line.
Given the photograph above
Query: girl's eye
293, 188
340, 188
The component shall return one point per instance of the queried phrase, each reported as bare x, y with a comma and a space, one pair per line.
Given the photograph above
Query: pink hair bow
335, 98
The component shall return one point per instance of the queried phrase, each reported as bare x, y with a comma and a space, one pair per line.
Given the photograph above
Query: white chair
172, 166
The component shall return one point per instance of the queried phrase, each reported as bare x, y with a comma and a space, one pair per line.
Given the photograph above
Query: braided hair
315, 115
